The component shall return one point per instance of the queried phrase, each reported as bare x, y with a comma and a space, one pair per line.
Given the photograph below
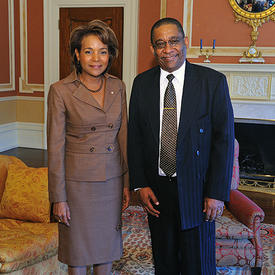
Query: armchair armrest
244, 209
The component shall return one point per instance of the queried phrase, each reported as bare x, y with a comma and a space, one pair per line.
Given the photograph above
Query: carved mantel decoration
255, 13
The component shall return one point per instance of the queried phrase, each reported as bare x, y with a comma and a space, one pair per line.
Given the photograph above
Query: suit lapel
79, 91
153, 104
190, 100
81, 94
110, 95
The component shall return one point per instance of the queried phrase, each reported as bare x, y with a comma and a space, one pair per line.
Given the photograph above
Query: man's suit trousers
176, 251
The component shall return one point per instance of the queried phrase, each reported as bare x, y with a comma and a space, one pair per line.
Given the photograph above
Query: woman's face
93, 56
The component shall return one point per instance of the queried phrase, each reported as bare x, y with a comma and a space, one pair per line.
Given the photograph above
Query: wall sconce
207, 52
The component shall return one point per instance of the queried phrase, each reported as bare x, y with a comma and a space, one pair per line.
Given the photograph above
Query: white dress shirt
178, 82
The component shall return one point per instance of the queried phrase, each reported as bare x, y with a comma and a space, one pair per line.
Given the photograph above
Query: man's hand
212, 209
148, 198
126, 198
61, 212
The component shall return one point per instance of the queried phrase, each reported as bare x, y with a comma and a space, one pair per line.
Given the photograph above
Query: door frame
51, 41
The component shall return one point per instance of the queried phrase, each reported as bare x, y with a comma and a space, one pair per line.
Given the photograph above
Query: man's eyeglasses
162, 44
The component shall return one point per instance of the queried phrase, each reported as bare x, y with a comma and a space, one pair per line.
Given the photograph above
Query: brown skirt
94, 235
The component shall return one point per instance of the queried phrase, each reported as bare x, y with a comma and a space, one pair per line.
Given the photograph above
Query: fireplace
252, 92
257, 153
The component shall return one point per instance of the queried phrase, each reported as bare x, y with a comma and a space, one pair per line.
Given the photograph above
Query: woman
87, 133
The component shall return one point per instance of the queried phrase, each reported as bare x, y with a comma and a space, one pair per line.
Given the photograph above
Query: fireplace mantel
252, 90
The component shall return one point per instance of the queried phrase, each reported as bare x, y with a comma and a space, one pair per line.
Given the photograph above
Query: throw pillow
4, 163
25, 195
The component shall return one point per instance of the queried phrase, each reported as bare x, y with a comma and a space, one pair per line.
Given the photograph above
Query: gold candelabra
207, 52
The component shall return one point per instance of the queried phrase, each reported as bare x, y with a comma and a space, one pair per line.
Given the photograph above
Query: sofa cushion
25, 195
26, 243
4, 163
228, 227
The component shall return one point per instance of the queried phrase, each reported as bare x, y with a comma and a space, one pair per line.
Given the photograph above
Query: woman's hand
126, 198
61, 212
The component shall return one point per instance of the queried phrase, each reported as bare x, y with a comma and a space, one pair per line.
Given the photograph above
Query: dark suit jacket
205, 144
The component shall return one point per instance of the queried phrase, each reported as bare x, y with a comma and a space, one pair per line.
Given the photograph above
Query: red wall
35, 42
208, 23
4, 53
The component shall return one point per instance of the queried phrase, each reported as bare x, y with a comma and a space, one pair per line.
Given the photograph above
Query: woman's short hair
104, 33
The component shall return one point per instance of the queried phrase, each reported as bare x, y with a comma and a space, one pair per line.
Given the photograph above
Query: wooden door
73, 17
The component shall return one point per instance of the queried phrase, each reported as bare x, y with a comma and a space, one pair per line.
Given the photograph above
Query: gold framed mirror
254, 13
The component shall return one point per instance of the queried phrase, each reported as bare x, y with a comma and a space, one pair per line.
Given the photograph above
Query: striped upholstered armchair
238, 241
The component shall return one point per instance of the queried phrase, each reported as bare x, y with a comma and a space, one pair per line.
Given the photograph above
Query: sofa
28, 239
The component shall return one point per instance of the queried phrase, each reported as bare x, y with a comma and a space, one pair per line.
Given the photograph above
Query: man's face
169, 47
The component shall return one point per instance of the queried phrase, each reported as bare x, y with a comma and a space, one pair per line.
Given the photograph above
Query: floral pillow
25, 196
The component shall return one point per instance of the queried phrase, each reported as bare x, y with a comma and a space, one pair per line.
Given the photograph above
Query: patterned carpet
137, 258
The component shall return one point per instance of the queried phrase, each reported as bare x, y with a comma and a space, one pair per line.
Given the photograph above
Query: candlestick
214, 42
201, 44
207, 53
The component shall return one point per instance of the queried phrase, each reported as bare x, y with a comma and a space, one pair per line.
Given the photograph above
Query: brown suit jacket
85, 142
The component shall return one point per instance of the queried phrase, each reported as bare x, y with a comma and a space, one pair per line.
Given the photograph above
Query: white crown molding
24, 85
21, 134
21, 98
4, 87
51, 38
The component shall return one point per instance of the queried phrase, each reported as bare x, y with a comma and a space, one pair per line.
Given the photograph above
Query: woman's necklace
94, 91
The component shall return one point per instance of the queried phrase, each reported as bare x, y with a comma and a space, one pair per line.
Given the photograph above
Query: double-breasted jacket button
111, 92
118, 227
93, 128
197, 152
110, 125
110, 148
201, 130
92, 149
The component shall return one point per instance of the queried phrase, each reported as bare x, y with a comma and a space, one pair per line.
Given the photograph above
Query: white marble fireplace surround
252, 91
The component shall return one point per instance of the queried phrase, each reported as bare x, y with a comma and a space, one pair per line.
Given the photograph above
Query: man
180, 153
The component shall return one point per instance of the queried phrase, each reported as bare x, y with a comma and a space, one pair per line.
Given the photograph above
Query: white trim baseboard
21, 134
